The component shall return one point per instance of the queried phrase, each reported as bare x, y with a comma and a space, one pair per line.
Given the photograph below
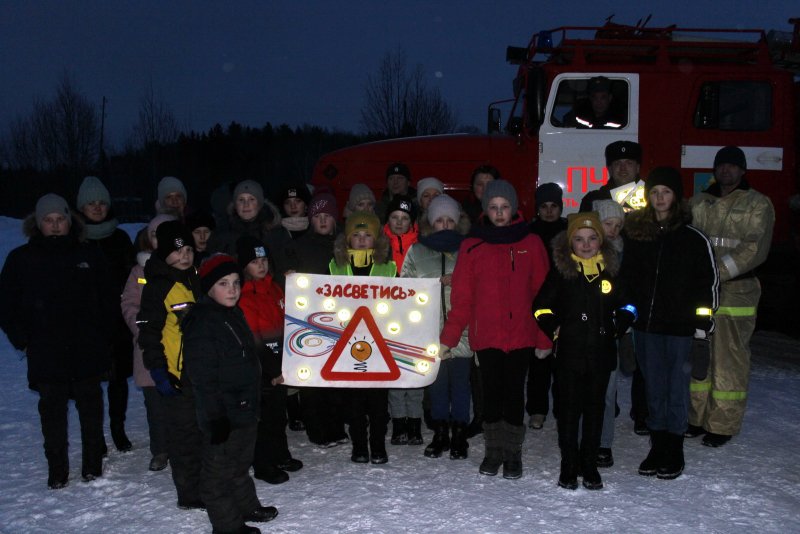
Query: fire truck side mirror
494, 121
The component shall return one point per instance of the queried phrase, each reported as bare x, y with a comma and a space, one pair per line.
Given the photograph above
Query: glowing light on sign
382, 308
301, 303
423, 366
344, 315
394, 328
329, 305
415, 316
302, 282
303, 373
422, 298
432, 349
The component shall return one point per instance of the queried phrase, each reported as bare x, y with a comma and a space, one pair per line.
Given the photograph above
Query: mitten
700, 358
547, 322
444, 352
542, 353
167, 384
623, 319
220, 430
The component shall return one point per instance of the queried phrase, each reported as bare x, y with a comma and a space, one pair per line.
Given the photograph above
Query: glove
704, 325
220, 430
548, 324
542, 353
167, 384
444, 352
700, 358
623, 320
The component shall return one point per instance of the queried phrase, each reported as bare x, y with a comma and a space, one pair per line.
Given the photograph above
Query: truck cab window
734, 106
591, 103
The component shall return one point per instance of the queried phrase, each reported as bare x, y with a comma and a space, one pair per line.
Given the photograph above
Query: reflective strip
737, 311
729, 395
729, 242
733, 270
141, 281
700, 387
704, 311
537, 313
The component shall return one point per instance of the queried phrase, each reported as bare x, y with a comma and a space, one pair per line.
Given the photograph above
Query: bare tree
157, 124
399, 103
62, 133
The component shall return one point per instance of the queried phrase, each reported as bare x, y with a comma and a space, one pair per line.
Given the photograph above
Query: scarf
96, 231
361, 258
501, 235
443, 241
295, 224
590, 267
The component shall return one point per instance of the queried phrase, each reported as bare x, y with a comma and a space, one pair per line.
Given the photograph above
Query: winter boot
493, 457
159, 462
121, 441
377, 446
459, 445
399, 431
672, 465
655, 458
715, 440
568, 478
591, 476
440, 441
271, 474
513, 437
605, 458
692, 431
57, 468
414, 427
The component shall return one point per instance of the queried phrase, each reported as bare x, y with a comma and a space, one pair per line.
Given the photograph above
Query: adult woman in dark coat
94, 204
55, 306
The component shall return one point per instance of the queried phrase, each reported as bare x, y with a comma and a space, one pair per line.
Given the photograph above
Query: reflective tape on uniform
700, 387
728, 242
729, 395
545, 311
737, 311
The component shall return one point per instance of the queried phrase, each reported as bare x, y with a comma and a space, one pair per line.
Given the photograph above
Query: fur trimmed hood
77, 228
641, 225
263, 218
383, 249
566, 265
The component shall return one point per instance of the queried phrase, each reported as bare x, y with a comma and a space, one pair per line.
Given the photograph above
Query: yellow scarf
590, 267
361, 258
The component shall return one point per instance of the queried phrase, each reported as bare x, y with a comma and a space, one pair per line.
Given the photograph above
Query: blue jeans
666, 367
450, 392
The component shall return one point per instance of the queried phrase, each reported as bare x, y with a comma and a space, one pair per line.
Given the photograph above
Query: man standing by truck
623, 160
738, 220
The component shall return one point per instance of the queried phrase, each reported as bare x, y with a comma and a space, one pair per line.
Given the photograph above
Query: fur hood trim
267, 225
383, 249
77, 228
566, 265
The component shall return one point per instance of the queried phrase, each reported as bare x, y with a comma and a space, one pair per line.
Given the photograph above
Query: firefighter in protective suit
738, 220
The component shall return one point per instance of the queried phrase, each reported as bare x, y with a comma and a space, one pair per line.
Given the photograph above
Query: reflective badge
605, 287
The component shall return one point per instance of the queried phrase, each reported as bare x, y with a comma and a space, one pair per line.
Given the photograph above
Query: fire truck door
578, 125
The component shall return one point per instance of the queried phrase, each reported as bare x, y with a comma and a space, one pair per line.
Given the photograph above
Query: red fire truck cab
681, 93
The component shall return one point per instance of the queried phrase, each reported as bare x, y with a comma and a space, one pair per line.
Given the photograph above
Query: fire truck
682, 93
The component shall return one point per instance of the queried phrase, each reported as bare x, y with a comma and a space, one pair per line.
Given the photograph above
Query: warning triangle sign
361, 353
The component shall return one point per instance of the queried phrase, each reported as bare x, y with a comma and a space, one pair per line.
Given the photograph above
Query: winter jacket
381, 265
222, 363
670, 273
263, 307
167, 296
739, 226
311, 253
267, 219
279, 242
497, 276
422, 261
401, 243
130, 303
582, 310
57, 303
547, 231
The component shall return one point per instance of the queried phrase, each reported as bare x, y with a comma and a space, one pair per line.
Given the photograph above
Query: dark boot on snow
440, 441
458, 443
414, 427
399, 431
493, 457
513, 437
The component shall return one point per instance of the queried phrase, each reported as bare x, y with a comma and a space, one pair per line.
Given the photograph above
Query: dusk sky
297, 62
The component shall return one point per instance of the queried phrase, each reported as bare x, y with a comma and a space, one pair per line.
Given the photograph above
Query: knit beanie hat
362, 220
731, 154
402, 203
358, 193
623, 150
91, 190
606, 209
429, 183
500, 188
156, 221
215, 267
443, 206
295, 191
549, 192
323, 203
172, 236
251, 187
51, 203
667, 176
170, 184
249, 248
200, 219
398, 168
585, 219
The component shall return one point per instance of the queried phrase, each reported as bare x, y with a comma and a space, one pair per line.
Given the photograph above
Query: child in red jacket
263, 307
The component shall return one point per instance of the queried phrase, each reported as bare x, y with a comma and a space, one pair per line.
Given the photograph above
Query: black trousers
227, 489
540, 378
368, 409
156, 407
503, 378
271, 446
324, 414
184, 443
581, 402
53, 404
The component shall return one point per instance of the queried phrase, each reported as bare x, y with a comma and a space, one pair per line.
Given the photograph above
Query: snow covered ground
750, 485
